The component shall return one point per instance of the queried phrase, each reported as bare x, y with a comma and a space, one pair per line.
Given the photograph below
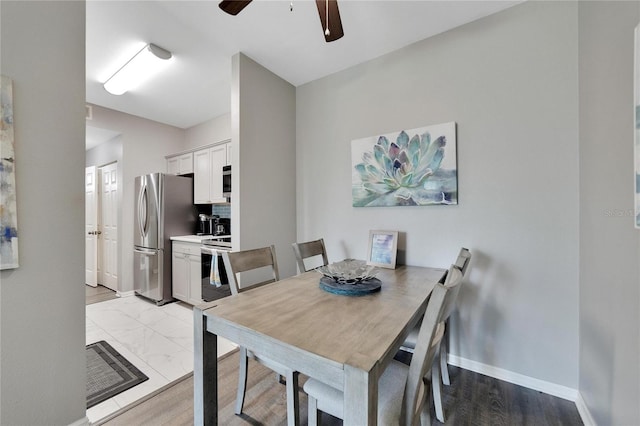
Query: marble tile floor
158, 340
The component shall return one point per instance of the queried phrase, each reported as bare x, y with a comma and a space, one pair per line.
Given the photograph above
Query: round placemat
360, 289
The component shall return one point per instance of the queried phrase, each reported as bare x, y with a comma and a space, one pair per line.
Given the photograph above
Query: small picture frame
383, 247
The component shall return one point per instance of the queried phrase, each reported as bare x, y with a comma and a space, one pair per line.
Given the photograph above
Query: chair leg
293, 405
242, 379
313, 411
436, 386
425, 412
444, 351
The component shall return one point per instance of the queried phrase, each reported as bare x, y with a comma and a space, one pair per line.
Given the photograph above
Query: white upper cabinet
201, 177
207, 173
218, 161
185, 164
180, 164
172, 165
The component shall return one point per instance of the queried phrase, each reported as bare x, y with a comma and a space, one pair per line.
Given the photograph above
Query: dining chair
462, 262
308, 250
440, 370
261, 263
403, 392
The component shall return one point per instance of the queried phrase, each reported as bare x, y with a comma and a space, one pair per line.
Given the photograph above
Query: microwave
226, 181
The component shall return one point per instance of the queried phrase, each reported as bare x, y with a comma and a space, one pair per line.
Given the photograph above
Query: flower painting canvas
8, 214
416, 167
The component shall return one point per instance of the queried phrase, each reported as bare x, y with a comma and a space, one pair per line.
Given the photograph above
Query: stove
218, 242
211, 250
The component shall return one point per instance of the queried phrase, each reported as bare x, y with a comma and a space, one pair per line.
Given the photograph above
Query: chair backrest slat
248, 260
309, 249
462, 262
425, 349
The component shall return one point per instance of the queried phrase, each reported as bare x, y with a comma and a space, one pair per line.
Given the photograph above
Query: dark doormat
108, 373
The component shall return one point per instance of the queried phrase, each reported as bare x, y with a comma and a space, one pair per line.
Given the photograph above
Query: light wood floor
98, 294
472, 399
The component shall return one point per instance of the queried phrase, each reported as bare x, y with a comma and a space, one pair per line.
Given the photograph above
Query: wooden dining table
343, 341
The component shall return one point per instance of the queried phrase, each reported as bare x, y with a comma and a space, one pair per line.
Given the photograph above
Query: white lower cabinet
186, 279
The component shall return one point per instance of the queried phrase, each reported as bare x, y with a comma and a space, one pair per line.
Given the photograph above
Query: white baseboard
125, 293
585, 414
81, 422
515, 378
549, 388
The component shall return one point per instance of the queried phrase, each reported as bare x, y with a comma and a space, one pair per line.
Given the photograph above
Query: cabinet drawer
186, 248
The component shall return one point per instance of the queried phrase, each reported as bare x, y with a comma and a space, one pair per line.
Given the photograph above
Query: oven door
210, 289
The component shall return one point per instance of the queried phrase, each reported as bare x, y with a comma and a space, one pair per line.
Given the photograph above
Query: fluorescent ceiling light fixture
147, 62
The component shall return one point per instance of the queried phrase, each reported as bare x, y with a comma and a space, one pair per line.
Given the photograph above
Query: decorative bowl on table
349, 278
349, 271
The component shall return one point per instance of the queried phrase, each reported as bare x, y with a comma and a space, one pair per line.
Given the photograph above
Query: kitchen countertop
197, 239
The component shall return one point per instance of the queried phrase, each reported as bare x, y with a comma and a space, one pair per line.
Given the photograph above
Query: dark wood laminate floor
98, 294
472, 399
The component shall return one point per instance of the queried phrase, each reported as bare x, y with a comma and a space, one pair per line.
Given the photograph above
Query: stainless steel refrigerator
163, 208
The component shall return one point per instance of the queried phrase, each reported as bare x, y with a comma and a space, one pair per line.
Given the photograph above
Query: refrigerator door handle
145, 251
142, 210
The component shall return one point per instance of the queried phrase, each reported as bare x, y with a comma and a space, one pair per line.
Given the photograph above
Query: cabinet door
195, 280
201, 177
180, 276
218, 160
185, 164
172, 166
228, 153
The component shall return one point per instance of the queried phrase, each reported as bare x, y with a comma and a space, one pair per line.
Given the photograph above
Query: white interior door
91, 227
108, 239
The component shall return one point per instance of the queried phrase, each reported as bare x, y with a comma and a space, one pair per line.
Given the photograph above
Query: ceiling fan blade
335, 24
233, 7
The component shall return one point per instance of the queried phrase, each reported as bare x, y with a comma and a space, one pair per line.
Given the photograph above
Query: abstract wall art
8, 210
415, 167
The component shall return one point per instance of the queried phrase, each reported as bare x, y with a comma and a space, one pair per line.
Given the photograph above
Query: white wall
215, 130
263, 122
144, 146
42, 355
105, 153
609, 244
510, 82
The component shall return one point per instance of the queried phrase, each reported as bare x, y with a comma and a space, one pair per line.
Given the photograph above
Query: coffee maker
206, 224
222, 226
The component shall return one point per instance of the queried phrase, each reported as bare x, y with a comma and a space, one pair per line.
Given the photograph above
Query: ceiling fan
327, 9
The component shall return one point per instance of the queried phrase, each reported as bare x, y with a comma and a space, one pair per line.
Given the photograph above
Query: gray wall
42, 356
263, 122
105, 153
215, 130
144, 144
510, 82
609, 244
